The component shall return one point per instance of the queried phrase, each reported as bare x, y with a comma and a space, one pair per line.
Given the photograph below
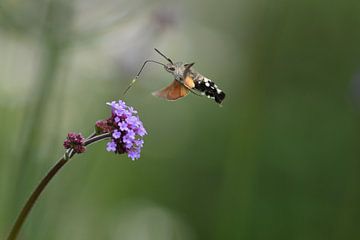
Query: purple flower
116, 134
117, 119
133, 120
112, 104
130, 135
126, 130
128, 144
117, 105
132, 110
139, 142
122, 104
123, 126
111, 146
134, 153
120, 112
128, 139
141, 131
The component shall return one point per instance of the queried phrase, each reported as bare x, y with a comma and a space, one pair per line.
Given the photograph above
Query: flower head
126, 130
75, 141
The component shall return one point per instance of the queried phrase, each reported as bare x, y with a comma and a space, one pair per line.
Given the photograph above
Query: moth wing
172, 92
189, 82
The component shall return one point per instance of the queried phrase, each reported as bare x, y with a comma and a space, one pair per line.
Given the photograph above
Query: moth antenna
163, 55
138, 74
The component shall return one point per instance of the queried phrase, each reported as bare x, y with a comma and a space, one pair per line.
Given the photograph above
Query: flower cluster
126, 130
75, 141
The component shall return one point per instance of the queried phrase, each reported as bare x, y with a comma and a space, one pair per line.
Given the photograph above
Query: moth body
186, 80
195, 81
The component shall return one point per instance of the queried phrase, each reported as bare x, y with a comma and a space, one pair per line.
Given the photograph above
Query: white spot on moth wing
206, 80
218, 91
207, 84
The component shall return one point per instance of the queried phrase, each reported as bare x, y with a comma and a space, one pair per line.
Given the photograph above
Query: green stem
44, 182
33, 197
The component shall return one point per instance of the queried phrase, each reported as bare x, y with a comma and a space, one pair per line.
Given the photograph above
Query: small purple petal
139, 143
112, 104
132, 110
141, 131
128, 144
123, 126
126, 114
122, 104
134, 154
130, 134
132, 120
118, 112
111, 146
128, 139
117, 119
116, 134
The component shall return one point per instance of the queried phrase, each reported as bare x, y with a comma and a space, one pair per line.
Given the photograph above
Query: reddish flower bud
76, 142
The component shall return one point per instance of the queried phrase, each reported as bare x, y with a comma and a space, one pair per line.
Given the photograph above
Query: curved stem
44, 182
33, 197
96, 138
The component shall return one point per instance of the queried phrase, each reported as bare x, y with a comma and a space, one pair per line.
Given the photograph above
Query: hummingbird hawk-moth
186, 80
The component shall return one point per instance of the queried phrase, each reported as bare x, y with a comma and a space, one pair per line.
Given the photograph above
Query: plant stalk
44, 182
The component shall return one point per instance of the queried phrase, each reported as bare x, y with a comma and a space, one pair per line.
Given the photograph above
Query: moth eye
171, 68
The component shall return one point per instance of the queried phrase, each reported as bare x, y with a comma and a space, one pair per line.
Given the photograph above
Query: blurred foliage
279, 160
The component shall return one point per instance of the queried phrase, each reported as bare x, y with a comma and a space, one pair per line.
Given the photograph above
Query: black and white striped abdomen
209, 89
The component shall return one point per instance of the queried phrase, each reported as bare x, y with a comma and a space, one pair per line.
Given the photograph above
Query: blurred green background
279, 160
